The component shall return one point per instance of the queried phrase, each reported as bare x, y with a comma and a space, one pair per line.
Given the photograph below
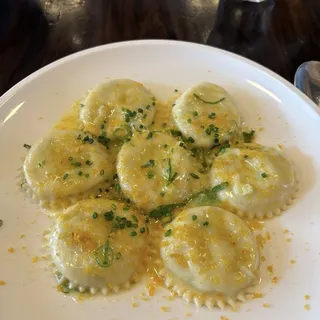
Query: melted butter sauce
109, 189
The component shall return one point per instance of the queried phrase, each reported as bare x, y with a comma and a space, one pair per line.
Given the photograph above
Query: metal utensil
307, 80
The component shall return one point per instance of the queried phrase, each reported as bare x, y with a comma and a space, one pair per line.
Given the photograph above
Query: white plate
30, 108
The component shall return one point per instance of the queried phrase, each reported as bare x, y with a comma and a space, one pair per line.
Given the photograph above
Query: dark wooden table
280, 34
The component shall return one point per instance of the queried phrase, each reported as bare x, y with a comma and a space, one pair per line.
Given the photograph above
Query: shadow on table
23, 35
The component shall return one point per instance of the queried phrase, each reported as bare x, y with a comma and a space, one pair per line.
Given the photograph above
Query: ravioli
115, 107
209, 255
155, 169
261, 181
99, 245
67, 163
206, 113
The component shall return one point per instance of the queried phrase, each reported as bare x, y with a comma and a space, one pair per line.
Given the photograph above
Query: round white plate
265, 100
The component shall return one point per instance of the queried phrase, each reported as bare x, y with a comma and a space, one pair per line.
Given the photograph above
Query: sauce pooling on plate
137, 184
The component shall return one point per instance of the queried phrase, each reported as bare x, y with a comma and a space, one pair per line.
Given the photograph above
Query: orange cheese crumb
35, 259
134, 305
151, 289
224, 318
22, 236
11, 250
307, 297
307, 307
164, 309
257, 295
2, 283
188, 314
289, 240
292, 261
270, 269
286, 231
263, 258
266, 305
275, 280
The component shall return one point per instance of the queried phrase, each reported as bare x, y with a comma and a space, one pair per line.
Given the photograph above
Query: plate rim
268, 72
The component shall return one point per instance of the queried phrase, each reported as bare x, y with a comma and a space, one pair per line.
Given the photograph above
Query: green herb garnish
150, 163
194, 176
170, 176
164, 210
211, 115
149, 136
104, 255
150, 174
168, 233
94, 215
206, 223
133, 233
194, 217
65, 176
27, 146
263, 175
208, 102
175, 133
248, 136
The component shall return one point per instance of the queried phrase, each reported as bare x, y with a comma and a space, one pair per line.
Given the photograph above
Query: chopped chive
81, 105
134, 218
133, 233
190, 139
149, 136
189, 120
142, 230
115, 176
148, 107
118, 256
126, 208
211, 115
206, 223
27, 146
153, 103
134, 225
140, 110
175, 90
76, 164
246, 156
165, 145
89, 163
195, 113
80, 173
109, 215
168, 233
70, 159
144, 116
150, 174
87, 175
95, 215
208, 102
113, 206
65, 176
194, 217
194, 176
181, 144
141, 126
101, 172
248, 136
101, 126
150, 163
162, 193
100, 190
263, 175
175, 133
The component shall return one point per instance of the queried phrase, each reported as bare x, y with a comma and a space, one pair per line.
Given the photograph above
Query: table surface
279, 34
